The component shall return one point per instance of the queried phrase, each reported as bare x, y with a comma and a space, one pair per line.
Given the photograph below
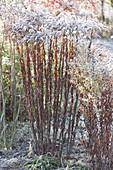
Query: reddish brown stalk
40, 91
66, 93
73, 130
62, 86
38, 86
44, 101
37, 129
50, 60
46, 76
70, 49
69, 125
55, 98
22, 67
41, 81
61, 75
59, 88
29, 95
72, 99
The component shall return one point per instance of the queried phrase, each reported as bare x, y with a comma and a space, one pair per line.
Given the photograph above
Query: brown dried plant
49, 49
95, 85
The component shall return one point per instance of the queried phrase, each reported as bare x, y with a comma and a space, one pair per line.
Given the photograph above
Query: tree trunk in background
102, 11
